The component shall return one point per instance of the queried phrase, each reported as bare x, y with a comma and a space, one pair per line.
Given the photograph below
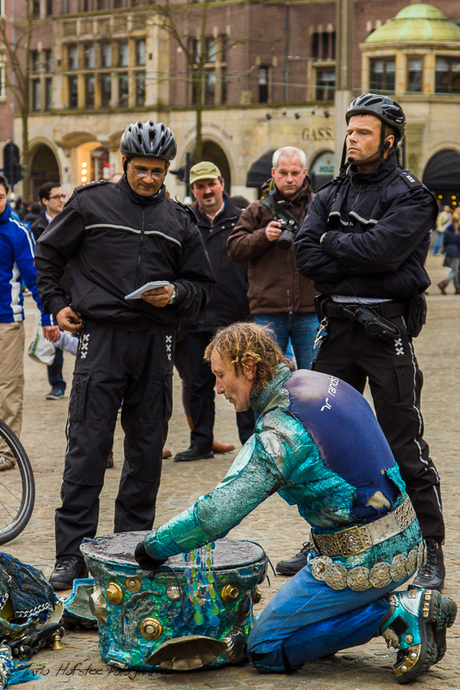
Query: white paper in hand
137, 294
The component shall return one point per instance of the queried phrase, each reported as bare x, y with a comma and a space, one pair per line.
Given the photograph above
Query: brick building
266, 79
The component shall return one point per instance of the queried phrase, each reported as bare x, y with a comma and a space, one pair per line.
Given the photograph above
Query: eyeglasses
58, 196
154, 174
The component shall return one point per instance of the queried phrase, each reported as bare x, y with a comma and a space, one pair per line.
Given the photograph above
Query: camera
289, 231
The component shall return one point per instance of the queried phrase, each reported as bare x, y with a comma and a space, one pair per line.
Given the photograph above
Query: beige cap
204, 171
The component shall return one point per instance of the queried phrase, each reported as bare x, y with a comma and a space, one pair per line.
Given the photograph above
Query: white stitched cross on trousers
399, 346
84, 345
169, 346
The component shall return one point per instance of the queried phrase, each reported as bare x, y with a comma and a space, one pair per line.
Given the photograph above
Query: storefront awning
442, 172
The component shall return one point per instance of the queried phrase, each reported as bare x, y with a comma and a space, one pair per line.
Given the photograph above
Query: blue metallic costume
317, 443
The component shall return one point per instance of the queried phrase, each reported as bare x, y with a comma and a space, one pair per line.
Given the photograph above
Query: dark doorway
43, 168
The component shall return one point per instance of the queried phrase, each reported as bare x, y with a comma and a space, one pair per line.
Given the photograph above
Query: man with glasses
52, 198
119, 238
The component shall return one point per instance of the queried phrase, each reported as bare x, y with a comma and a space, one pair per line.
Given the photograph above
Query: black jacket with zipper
228, 302
118, 241
378, 227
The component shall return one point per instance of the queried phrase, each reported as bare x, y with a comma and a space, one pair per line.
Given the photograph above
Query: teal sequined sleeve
252, 477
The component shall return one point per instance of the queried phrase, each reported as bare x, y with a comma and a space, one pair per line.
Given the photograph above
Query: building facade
260, 75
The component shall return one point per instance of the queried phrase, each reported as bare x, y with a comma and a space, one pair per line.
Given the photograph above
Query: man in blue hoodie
16, 262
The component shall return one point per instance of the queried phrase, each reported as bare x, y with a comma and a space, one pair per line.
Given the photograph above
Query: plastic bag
41, 349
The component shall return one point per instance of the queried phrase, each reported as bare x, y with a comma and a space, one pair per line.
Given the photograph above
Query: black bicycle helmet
383, 107
148, 140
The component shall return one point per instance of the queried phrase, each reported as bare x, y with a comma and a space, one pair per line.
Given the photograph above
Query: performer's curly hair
238, 342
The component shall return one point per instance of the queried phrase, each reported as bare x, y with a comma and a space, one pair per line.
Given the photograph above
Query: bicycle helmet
383, 107
148, 140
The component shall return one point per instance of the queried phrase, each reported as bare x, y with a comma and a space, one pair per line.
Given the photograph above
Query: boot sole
437, 613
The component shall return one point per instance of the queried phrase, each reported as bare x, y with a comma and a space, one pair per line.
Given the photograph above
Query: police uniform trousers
395, 382
115, 367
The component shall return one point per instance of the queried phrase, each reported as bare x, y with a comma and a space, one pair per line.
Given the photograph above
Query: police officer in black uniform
364, 244
118, 238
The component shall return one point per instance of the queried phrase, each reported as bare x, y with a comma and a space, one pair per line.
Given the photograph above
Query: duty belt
355, 540
347, 310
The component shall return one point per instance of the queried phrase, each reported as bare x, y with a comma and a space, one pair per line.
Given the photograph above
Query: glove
145, 561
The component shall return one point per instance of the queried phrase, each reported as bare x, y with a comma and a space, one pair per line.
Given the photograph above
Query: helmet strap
344, 163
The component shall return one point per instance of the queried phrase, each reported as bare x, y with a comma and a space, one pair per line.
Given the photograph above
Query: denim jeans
300, 327
306, 620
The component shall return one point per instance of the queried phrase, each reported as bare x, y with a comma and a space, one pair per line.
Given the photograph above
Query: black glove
145, 561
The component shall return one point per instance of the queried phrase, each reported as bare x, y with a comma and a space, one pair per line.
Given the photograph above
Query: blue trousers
306, 620
300, 327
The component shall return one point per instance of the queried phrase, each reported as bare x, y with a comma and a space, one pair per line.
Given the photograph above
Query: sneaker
416, 625
432, 574
296, 563
55, 394
193, 453
67, 570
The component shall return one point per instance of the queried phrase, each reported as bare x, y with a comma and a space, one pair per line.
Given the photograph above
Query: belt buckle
353, 535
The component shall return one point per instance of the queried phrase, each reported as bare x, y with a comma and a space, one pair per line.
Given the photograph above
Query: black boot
432, 574
296, 563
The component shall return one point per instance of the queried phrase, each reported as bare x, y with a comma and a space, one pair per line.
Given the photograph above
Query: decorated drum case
194, 612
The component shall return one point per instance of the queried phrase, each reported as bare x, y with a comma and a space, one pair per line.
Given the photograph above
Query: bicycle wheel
17, 487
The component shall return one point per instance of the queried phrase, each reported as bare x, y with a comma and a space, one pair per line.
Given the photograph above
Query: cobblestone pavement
275, 525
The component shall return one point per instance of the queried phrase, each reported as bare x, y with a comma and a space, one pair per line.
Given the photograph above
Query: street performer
317, 443
119, 238
364, 243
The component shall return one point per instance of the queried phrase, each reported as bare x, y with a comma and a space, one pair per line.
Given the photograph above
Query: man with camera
278, 294
364, 243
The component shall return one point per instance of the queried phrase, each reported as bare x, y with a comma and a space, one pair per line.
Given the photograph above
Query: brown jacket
275, 285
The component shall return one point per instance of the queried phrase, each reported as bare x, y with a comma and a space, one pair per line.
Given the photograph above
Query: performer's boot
416, 625
442, 286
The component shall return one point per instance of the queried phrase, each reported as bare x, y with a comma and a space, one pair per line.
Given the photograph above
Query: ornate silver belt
355, 540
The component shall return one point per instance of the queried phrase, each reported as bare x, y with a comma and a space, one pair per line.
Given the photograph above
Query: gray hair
289, 152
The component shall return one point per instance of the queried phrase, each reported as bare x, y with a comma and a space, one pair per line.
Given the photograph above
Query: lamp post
344, 71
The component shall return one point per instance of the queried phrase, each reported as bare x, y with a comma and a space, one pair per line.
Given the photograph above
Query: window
73, 92
35, 8
447, 74
264, 83
323, 45
48, 60
211, 73
414, 74
123, 54
48, 93
211, 49
72, 57
34, 61
89, 55
123, 90
382, 74
89, 92
140, 89
325, 84
210, 87
106, 90
140, 52
35, 95
106, 55
49, 8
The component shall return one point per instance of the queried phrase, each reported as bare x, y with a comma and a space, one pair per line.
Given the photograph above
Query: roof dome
419, 22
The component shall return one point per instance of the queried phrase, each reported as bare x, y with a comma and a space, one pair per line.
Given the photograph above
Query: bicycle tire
16, 500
